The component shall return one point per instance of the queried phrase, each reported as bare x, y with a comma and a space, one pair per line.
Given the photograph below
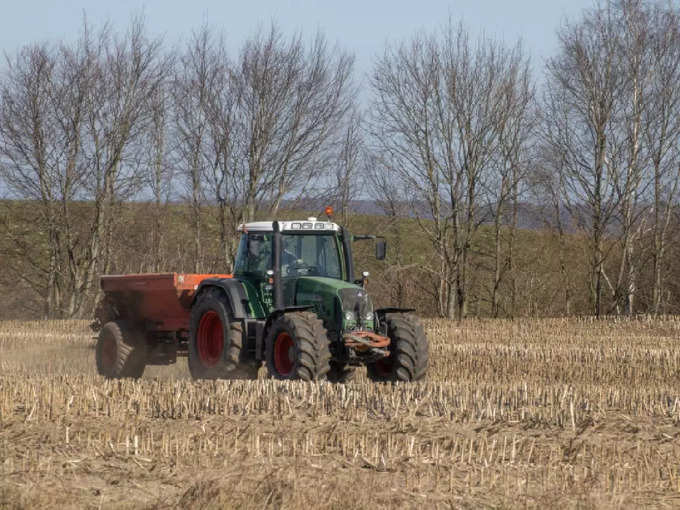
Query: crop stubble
535, 413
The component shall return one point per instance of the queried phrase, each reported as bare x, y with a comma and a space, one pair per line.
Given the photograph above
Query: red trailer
144, 319
162, 300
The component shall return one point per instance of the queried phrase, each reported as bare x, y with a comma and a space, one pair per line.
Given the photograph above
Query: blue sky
362, 27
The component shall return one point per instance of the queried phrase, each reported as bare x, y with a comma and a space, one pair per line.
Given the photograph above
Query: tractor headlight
369, 316
349, 316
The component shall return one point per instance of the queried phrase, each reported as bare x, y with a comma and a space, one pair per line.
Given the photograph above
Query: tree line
454, 137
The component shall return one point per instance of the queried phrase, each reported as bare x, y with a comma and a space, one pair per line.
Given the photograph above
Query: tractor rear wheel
120, 351
215, 341
296, 347
408, 351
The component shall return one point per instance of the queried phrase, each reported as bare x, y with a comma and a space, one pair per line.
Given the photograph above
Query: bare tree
387, 195
583, 83
350, 153
515, 125
292, 100
28, 170
208, 136
661, 134
438, 103
628, 160
194, 86
254, 131
224, 140
129, 72
547, 190
160, 172
611, 121
67, 118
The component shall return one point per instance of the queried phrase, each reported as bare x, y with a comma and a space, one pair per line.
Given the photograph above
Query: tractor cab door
253, 259
254, 256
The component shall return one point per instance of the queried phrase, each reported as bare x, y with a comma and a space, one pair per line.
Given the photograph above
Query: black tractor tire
215, 351
340, 372
296, 348
121, 351
408, 351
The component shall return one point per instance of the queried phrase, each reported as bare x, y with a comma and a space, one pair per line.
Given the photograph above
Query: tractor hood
337, 302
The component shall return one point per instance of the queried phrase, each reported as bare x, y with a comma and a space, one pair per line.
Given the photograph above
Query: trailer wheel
120, 351
408, 351
296, 347
215, 342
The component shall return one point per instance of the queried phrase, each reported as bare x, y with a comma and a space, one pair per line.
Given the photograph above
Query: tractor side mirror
380, 249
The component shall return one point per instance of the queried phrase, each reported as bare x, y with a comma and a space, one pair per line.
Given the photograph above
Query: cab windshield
301, 255
310, 255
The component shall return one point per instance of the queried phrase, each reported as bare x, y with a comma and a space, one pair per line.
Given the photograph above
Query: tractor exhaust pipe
347, 248
278, 288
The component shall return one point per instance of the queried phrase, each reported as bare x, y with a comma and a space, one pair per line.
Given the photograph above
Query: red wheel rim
210, 339
284, 353
108, 353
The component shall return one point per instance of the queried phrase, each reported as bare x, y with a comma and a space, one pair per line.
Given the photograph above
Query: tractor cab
305, 264
307, 248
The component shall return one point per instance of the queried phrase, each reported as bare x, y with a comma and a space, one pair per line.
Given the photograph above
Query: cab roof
310, 224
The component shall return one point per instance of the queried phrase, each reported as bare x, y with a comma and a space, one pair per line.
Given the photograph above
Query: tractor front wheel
120, 351
408, 351
215, 341
296, 347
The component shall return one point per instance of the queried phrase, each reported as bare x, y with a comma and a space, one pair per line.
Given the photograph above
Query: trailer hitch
365, 340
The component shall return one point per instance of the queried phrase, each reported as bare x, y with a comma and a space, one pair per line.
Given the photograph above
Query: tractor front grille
357, 301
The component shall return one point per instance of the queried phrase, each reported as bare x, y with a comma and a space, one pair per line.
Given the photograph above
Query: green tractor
307, 317
292, 303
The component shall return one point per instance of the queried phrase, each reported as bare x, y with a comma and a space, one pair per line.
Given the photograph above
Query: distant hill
530, 216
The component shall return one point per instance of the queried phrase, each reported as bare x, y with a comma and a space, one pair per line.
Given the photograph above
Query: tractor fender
278, 313
234, 291
381, 312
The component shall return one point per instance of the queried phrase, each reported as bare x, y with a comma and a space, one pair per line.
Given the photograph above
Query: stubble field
530, 413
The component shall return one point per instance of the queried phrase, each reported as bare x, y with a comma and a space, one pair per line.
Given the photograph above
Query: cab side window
328, 257
254, 254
